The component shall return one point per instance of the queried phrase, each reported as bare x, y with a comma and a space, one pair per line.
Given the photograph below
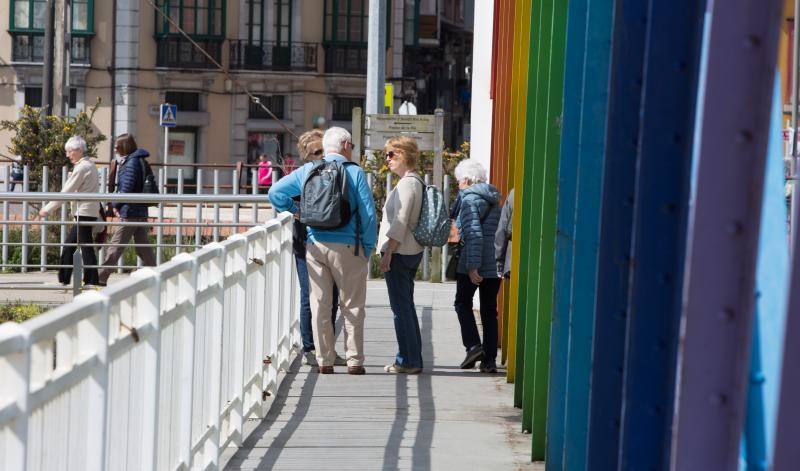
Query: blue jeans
306, 331
400, 283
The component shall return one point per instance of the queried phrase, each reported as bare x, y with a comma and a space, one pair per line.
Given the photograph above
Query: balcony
273, 56
346, 58
29, 47
177, 52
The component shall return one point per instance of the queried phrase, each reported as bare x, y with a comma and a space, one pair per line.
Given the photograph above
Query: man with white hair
337, 254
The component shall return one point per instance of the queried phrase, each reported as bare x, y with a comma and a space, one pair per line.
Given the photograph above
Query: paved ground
38, 287
444, 418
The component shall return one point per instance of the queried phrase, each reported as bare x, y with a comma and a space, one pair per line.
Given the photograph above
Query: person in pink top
264, 173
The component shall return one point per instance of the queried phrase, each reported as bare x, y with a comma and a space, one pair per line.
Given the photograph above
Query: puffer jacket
478, 217
129, 180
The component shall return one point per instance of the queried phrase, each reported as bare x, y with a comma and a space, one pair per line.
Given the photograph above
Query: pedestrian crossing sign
169, 115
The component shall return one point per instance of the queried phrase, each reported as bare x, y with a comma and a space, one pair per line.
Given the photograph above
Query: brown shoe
356, 370
326, 370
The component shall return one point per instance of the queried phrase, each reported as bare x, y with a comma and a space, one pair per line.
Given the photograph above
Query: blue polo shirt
360, 196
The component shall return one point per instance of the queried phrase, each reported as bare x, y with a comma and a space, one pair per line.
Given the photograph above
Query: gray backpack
433, 228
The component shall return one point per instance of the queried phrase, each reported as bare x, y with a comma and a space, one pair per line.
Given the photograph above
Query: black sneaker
488, 366
473, 355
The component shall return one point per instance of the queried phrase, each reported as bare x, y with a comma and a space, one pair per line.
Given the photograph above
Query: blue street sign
169, 115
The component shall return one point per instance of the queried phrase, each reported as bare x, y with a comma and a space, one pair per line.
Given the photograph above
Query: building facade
304, 59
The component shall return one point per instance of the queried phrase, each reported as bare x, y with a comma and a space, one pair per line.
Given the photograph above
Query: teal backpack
433, 228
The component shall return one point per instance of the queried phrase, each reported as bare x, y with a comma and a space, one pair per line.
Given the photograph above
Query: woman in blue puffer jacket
477, 215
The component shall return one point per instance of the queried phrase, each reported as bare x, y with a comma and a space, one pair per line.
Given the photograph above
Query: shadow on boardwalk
442, 418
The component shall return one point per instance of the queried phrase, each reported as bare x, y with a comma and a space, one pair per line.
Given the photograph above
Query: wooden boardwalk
443, 418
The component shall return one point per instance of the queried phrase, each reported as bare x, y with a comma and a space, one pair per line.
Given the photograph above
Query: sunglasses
391, 154
318, 152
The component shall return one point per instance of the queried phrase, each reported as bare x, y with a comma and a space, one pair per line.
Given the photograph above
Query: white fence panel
157, 371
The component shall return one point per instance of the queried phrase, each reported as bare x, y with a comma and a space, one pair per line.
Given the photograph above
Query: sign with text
400, 123
378, 128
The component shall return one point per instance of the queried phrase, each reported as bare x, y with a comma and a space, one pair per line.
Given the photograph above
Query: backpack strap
357, 215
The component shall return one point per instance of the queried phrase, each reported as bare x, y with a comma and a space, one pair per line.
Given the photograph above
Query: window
198, 18
343, 107
186, 101
411, 23
274, 103
269, 143
283, 22
27, 30
346, 21
203, 20
255, 21
33, 97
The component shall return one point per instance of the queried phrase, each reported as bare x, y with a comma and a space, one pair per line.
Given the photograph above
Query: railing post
148, 306
162, 178
43, 227
101, 251
235, 228
5, 218
199, 211
15, 349
216, 206
179, 229
254, 191
25, 228
77, 260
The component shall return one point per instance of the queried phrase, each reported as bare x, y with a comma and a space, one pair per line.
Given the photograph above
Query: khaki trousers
330, 263
119, 239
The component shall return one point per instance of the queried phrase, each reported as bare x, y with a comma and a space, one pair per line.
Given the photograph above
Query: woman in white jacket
83, 179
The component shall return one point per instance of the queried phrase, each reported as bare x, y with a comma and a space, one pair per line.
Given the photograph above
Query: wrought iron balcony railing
29, 47
346, 58
270, 55
174, 51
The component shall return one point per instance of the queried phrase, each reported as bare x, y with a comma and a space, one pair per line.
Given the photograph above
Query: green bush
39, 140
17, 312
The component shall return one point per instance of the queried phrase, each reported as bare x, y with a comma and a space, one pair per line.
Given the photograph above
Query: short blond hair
306, 139
407, 146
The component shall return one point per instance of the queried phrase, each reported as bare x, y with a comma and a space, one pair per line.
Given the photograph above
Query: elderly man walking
335, 254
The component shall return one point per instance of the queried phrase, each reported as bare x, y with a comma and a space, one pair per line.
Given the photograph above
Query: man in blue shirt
331, 256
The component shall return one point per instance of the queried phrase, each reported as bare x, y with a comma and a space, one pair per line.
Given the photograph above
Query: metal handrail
135, 198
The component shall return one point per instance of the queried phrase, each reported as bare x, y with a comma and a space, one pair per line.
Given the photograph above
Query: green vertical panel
537, 152
528, 199
551, 146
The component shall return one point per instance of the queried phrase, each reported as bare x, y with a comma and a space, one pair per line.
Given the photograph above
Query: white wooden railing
155, 372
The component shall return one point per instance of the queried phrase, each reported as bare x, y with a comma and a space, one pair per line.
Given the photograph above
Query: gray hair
471, 170
75, 143
334, 139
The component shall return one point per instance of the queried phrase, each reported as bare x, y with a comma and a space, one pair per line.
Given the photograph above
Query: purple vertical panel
787, 453
734, 99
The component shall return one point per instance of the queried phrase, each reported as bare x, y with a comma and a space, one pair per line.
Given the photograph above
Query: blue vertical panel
661, 200
565, 231
735, 91
595, 96
772, 278
607, 317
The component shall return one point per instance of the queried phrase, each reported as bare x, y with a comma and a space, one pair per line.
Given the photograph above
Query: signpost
373, 130
168, 117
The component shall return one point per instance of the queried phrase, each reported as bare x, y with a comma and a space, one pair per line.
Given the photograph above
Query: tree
39, 141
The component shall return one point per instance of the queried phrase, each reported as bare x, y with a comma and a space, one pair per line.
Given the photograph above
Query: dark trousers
400, 284
306, 331
81, 235
463, 304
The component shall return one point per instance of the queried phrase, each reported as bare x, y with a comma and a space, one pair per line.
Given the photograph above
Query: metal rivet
753, 41
719, 399
735, 228
744, 136
727, 314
